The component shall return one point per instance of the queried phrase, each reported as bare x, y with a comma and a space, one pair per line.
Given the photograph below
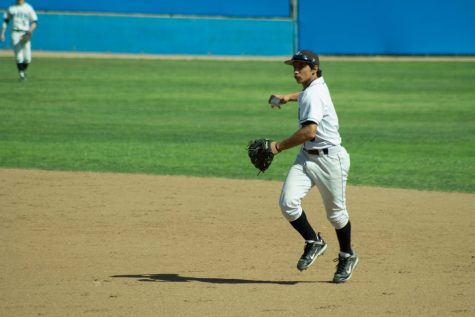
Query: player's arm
33, 21
6, 18
4, 29
286, 97
306, 133
32, 26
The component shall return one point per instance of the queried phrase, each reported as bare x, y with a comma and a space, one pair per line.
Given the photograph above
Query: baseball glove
26, 37
260, 153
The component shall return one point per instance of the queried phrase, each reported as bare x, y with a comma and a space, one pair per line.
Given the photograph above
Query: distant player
24, 22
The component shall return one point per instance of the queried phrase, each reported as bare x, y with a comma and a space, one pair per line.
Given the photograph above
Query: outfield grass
405, 124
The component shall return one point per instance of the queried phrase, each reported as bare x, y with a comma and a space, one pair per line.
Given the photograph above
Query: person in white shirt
24, 21
322, 162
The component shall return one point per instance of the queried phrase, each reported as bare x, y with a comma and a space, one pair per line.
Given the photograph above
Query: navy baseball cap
306, 56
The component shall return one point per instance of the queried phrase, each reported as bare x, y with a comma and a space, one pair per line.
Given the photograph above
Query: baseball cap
304, 56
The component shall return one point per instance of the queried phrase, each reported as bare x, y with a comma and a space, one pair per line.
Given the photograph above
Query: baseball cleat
345, 268
311, 251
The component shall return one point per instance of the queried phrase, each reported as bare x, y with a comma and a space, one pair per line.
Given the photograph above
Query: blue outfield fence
370, 27
399, 27
241, 8
123, 34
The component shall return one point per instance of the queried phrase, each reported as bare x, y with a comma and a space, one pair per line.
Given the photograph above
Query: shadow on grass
213, 280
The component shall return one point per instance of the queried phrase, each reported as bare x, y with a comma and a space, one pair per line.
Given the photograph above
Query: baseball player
322, 162
24, 21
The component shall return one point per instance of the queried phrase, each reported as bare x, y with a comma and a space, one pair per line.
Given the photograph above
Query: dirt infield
91, 244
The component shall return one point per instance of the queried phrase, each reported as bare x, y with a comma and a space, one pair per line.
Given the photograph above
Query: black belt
317, 152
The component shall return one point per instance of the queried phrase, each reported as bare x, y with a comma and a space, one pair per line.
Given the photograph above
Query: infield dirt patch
98, 244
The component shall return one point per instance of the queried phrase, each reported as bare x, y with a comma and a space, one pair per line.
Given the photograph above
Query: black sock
304, 228
19, 66
344, 238
25, 66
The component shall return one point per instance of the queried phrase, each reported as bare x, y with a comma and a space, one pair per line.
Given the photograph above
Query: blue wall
127, 34
240, 8
388, 26
399, 27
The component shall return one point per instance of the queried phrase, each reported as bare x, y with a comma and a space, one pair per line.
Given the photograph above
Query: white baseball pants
329, 173
22, 50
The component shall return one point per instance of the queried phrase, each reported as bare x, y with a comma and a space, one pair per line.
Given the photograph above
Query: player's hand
277, 100
2, 37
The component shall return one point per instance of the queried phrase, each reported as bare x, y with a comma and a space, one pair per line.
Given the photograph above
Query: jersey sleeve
311, 108
7, 15
33, 16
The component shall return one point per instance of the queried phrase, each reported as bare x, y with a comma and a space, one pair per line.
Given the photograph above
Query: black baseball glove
26, 37
260, 153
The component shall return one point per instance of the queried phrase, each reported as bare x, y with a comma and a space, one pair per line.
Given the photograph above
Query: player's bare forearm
32, 27
284, 98
302, 135
293, 96
4, 29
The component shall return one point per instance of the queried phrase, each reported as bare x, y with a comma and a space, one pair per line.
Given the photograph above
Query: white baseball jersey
21, 15
315, 105
328, 172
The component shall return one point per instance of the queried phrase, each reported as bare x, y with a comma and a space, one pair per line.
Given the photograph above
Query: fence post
294, 10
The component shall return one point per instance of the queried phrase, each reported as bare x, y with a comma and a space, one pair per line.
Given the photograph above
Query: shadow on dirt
214, 280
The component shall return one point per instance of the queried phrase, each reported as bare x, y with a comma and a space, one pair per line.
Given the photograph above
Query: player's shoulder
22, 7
29, 6
319, 82
319, 86
316, 85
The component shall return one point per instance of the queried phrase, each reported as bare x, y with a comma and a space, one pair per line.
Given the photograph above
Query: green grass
405, 124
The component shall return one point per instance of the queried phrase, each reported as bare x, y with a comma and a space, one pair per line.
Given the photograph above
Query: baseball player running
322, 162
24, 22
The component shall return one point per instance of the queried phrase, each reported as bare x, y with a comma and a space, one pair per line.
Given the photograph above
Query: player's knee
338, 219
291, 209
